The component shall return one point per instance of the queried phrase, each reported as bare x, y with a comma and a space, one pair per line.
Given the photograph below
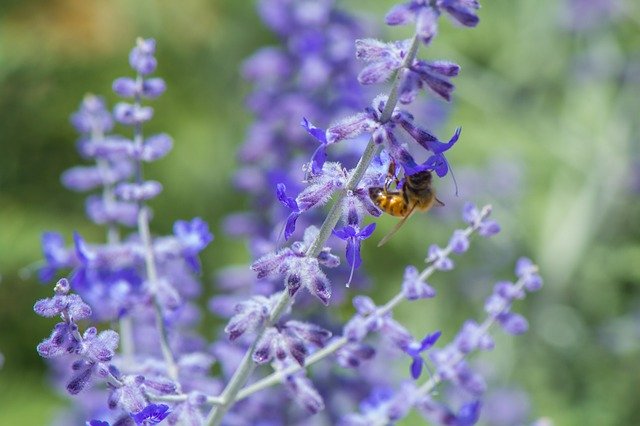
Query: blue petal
291, 225
319, 134
353, 253
366, 231
429, 340
416, 367
318, 159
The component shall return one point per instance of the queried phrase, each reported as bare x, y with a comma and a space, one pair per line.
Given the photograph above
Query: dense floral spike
141, 281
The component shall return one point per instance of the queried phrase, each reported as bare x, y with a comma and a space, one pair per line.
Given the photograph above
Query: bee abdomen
389, 203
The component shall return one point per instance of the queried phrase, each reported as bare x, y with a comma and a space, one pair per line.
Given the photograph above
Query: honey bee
415, 195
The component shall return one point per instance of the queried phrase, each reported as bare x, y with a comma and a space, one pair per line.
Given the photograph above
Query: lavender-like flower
146, 283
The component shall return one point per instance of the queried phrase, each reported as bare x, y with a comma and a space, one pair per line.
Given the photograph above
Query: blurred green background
548, 99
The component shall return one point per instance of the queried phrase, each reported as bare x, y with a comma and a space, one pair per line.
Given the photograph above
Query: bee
416, 194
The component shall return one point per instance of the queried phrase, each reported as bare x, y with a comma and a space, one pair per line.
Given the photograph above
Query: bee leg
440, 203
391, 176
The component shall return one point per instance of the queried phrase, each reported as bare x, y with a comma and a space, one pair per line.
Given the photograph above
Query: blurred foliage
556, 102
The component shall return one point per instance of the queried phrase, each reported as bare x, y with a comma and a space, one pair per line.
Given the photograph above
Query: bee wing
398, 226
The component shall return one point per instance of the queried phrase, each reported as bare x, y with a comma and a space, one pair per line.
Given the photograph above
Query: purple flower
471, 337
459, 242
132, 114
97, 423
527, 271
299, 269
513, 323
353, 236
439, 258
292, 205
142, 57
193, 236
437, 161
56, 256
426, 13
432, 75
138, 191
384, 58
92, 116
152, 414
249, 315
320, 155
413, 287
416, 348
62, 303
479, 219
106, 212
352, 355
127, 87
302, 391
440, 414
85, 178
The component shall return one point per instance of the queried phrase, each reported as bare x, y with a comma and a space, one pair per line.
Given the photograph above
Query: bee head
374, 192
419, 180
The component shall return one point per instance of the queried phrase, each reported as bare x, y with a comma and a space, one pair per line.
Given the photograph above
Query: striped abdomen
393, 203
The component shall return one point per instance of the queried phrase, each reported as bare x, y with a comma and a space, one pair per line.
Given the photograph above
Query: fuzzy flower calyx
299, 269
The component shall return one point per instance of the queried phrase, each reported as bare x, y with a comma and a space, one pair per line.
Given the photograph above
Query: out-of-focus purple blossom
438, 257
413, 287
129, 88
383, 406
138, 191
56, 256
92, 116
459, 242
153, 148
440, 414
513, 323
527, 271
304, 393
189, 412
86, 178
104, 213
193, 236
152, 414
352, 355
132, 114
471, 338
142, 57
479, 219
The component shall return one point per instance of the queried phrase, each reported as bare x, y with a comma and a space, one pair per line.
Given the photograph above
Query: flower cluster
156, 368
147, 284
